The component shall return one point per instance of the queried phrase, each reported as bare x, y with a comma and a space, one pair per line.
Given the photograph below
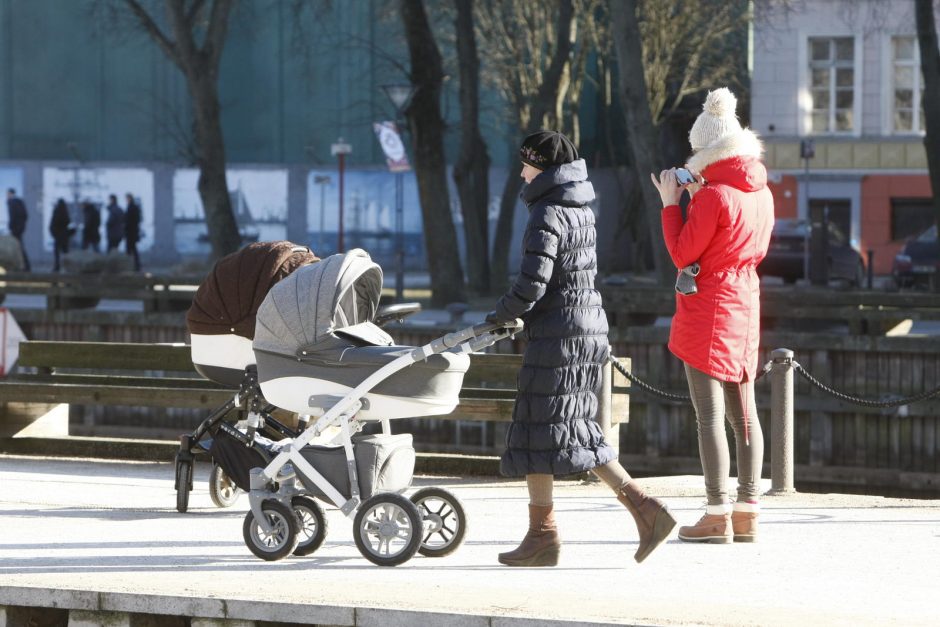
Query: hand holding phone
684, 177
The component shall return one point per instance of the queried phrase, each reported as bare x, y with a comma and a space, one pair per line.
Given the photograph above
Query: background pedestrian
115, 224
61, 231
17, 217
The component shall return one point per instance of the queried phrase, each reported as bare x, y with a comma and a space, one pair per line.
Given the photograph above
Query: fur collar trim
742, 144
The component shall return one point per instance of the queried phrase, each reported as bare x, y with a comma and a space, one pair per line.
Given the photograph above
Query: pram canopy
305, 311
315, 341
228, 300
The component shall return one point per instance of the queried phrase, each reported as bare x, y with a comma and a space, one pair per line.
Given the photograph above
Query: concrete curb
112, 607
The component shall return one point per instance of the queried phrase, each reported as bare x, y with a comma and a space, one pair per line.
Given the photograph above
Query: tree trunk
502, 237
472, 168
427, 136
224, 236
930, 67
640, 129
545, 105
200, 66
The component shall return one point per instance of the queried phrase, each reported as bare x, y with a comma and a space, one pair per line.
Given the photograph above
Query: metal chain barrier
649, 389
864, 402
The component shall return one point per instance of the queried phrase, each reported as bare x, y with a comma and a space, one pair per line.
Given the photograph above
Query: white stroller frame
343, 413
319, 353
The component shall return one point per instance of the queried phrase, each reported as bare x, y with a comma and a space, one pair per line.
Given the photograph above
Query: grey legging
714, 400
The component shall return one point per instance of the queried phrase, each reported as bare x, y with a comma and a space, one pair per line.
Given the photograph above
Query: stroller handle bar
459, 337
396, 311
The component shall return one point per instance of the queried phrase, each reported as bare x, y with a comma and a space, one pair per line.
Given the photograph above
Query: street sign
392, 146
12, 335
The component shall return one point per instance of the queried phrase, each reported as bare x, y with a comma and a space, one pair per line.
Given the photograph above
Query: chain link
864, 402
646, 387
649, 389
855, 400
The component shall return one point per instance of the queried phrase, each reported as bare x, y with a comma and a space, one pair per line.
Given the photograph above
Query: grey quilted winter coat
554, 429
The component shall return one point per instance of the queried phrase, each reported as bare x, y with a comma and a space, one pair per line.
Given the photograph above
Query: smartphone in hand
684, 177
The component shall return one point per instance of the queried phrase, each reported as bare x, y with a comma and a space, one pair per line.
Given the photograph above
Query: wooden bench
82, 291
52, 374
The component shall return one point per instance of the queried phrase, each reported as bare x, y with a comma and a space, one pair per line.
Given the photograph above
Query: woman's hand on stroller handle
492, 324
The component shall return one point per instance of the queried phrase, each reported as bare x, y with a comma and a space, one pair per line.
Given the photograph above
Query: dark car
916, 263
786, 256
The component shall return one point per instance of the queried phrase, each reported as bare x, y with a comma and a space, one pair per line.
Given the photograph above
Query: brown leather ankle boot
654, 523
713, 528
541, 545
744, 521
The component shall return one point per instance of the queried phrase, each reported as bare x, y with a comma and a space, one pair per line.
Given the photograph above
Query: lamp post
400, 96
322, 181
339, 150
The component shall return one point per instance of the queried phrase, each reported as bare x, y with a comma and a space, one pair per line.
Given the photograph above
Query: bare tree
930, 67
473, 163
193, 42
529, 49
641, 131
427, 135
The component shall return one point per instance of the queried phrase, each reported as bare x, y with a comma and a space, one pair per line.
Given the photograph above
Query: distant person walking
115, 224
132, 220
91, 226
60, 231
17, 222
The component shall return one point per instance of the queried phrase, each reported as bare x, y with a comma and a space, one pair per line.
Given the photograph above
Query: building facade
844, 79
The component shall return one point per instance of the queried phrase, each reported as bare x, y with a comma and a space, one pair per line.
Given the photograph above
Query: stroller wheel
184, 483
388, 529
311, 523
445, 522
222, 490
283, 537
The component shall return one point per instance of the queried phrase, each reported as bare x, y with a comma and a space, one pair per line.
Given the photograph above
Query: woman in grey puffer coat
554, 429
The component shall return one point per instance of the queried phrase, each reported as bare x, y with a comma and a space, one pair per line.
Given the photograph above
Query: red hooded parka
717, 330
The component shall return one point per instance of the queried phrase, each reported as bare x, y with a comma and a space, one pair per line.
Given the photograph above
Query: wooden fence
836, 443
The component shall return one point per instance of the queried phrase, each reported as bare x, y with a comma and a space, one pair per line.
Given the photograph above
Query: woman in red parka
716, 330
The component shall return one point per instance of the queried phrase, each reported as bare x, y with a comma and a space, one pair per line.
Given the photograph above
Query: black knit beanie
546, 149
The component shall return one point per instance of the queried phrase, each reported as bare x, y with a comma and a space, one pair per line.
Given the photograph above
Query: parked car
786, 255
917, 261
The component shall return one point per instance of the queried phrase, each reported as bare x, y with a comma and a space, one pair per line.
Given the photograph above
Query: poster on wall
10, 178
259, 202
369, 208
87, 192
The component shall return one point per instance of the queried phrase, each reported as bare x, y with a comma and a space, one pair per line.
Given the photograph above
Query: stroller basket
384, 463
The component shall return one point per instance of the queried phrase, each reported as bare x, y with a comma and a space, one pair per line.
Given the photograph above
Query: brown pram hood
228, 300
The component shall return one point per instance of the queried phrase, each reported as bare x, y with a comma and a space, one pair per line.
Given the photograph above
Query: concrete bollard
781, 421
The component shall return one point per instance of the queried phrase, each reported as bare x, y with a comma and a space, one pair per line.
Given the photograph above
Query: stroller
319, 352
221, 323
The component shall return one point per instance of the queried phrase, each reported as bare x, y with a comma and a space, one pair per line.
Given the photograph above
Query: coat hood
565, 184
747, 174
741, 144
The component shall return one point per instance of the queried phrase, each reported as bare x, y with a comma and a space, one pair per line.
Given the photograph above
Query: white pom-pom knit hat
718, 135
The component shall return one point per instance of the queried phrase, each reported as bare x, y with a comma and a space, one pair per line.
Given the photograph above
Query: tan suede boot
744, 522
654, 523
541, 545
714, 527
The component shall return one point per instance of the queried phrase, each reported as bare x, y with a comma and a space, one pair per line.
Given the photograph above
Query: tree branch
215, 35
152, 29
194, 11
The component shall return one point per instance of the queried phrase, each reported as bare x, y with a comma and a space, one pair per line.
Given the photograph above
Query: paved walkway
77, 527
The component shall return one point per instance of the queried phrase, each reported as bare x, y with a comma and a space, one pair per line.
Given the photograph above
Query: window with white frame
907, 114
832, 84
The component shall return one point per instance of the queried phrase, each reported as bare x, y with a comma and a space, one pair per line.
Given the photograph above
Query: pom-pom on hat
545, 149
716, 120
